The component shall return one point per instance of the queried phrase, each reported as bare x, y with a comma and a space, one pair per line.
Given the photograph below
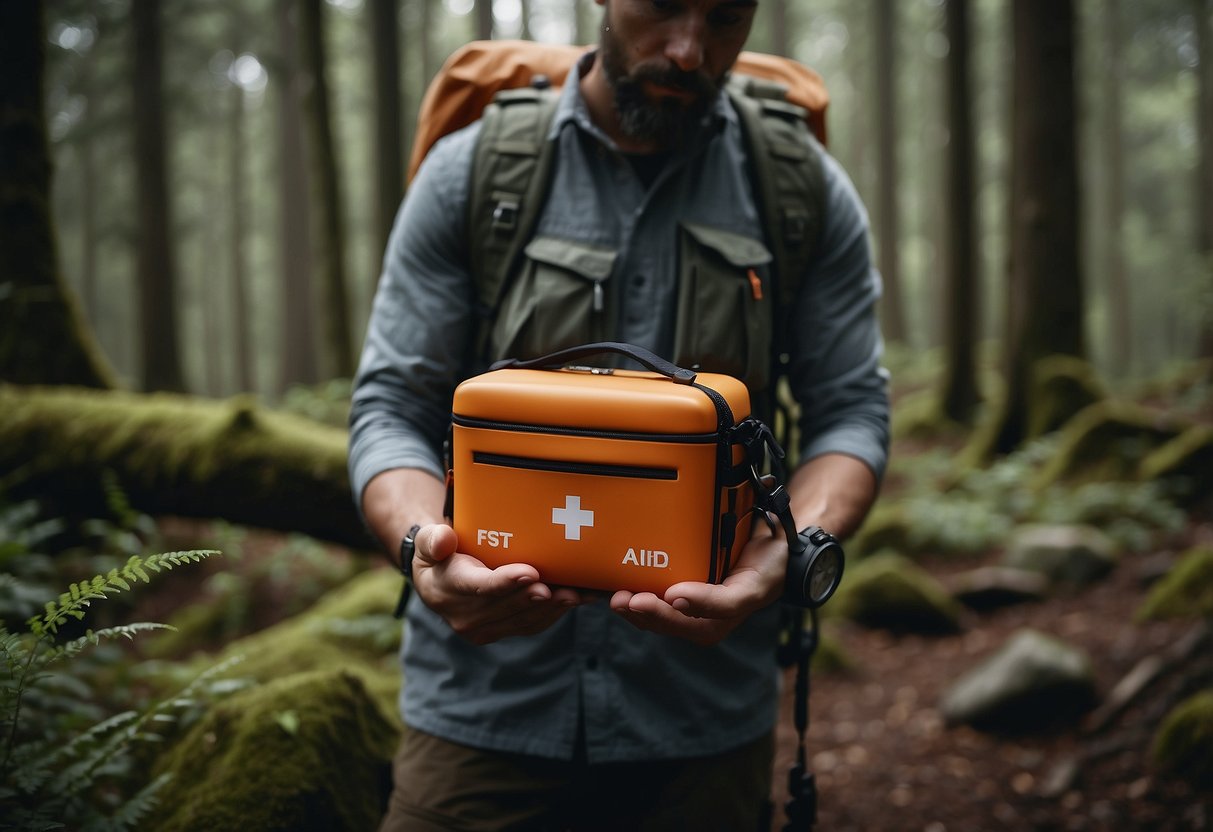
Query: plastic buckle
505, 215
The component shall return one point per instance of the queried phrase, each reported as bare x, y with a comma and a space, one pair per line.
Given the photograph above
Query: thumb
436, 543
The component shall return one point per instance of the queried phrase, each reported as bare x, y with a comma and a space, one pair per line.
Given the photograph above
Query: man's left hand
705, 613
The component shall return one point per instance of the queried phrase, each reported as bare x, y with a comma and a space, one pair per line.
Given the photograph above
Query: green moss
350, 628
830, 657
892, 592
1187, 457
311, 751
1107, 441
1183, 745
1063, 385
886, 527
1185, 592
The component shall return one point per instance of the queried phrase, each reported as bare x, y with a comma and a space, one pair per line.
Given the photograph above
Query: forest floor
884, 759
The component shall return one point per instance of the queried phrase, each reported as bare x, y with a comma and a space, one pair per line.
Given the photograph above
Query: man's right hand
483, 605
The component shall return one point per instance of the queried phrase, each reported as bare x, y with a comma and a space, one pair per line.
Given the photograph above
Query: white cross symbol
572, 517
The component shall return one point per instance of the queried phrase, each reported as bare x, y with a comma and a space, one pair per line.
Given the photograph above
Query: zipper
563, 467
519, 427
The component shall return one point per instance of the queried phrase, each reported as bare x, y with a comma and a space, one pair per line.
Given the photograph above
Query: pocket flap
736, 249
586, 259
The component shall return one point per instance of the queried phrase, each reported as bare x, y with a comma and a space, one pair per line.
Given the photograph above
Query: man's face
666, 60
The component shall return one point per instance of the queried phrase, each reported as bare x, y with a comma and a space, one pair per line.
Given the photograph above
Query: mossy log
177, 455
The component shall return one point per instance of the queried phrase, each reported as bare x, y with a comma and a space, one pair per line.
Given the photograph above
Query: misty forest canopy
281, 167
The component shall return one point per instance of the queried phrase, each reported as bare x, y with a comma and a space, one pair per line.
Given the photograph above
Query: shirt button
638, 281
591, 663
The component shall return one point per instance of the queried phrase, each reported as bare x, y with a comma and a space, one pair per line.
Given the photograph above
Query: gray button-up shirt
637, 695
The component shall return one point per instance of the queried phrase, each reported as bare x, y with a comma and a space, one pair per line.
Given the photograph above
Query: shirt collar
572, 108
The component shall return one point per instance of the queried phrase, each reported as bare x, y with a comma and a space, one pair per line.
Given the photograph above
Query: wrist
407, 550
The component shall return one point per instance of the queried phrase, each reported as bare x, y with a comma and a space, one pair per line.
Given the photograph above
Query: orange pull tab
755, 283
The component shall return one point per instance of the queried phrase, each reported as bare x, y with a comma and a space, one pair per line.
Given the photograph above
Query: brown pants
441, 786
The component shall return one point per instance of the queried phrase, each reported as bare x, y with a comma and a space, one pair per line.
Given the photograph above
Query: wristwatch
814, 568
408, 547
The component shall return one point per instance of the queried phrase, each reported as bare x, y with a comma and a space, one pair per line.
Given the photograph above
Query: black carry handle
640, 355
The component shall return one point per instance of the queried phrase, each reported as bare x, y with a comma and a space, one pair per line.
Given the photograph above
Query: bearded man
531, 706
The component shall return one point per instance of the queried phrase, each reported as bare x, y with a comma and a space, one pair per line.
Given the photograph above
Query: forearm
833, 491
396, 499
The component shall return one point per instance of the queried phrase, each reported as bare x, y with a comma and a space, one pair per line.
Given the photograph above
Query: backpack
508, 85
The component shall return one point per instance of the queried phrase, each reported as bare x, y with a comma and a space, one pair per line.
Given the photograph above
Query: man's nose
685, 44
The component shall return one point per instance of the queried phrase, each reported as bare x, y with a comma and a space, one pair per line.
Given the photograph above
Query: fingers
646, 611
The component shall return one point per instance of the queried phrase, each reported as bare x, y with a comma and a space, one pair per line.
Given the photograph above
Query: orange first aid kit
604, 478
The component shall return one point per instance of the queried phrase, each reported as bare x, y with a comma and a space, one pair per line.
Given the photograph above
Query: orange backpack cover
478, 71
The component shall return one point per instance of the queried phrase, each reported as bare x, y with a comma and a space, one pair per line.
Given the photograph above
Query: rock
1186, 592
311, 751
893, 592
990, 587
1071, 555
1183, 745
1033, 681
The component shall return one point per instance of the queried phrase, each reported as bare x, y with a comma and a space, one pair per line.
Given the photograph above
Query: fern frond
81, 594
139, 806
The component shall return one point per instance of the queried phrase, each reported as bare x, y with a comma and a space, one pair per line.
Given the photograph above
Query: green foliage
52, 773
1186, 591
978, 510
1184, 743
327, 402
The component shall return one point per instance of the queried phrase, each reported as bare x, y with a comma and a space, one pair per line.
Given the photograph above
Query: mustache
674, 78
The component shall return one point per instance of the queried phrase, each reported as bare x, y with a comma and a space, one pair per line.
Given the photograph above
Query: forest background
194, 200
265, 208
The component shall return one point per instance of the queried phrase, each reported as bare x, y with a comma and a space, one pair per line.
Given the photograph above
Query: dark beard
668, 123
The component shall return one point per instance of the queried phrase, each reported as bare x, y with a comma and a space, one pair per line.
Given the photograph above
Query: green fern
50, 779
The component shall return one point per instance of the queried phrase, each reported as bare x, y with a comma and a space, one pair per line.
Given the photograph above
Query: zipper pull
599, 302
755, 284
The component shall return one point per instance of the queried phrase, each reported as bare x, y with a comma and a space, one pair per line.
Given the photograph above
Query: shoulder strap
787, 171
511, 170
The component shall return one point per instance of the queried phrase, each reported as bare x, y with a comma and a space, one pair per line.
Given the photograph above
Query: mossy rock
887, 527
311, 751
1108, 441
892, 592
1186, 459
351, 627
1062, 386
1183, 746
1185, 592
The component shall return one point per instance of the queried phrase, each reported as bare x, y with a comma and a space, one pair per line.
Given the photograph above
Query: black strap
640, 355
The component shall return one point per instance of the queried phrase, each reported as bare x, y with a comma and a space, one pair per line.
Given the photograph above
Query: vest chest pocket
558, 299
724, 315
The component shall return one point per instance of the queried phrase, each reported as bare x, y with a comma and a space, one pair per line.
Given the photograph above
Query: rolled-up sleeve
836, 373
419, 326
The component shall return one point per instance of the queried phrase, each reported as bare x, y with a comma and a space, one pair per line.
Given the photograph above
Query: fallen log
177, 455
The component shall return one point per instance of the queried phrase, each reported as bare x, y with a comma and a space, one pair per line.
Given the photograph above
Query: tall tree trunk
429, 61
237, 220
960, 392
1203, 13
1045, 299
329, 240
484, 19
88, 207
525, 9
297, 328
1119, 327
156, 268
779, 27
44, 338
893, 311
389, 134
583, 30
